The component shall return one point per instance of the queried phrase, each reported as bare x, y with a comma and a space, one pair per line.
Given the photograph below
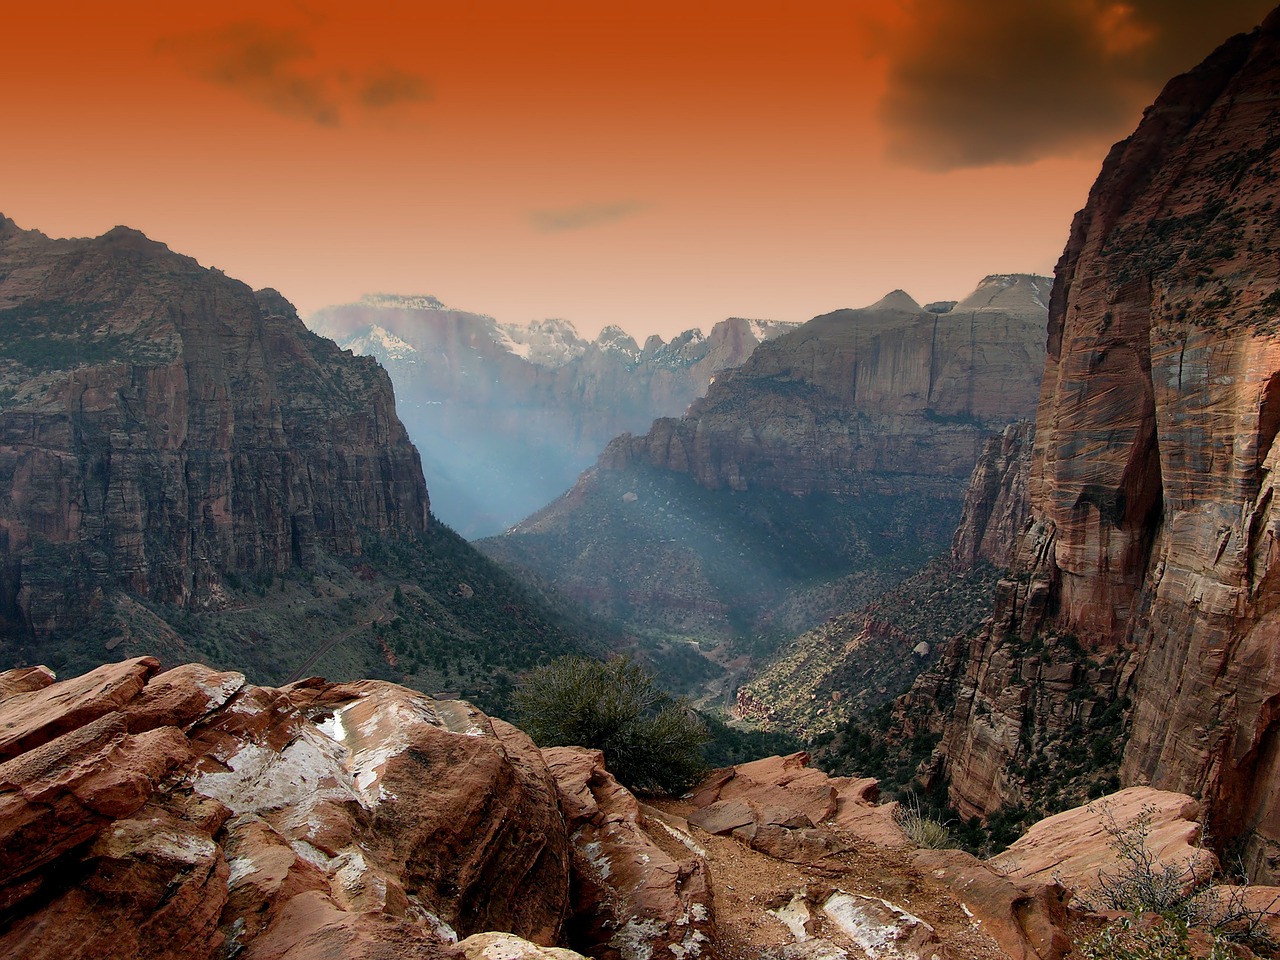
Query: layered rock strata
162, 426
1152, 522
889, 399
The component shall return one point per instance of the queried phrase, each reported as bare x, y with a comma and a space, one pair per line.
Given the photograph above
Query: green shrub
651, 742
1166, 900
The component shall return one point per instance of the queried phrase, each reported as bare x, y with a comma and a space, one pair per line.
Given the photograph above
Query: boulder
632, 900
191, 814
786, 792
1076, 846
1026, 917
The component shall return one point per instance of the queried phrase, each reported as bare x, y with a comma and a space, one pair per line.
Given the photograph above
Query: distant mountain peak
1003, 291
896, 300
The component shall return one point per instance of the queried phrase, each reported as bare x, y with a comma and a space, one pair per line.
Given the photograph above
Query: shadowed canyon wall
161, 425
1151, 549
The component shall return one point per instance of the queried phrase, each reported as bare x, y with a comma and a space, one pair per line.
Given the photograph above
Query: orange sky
658, 165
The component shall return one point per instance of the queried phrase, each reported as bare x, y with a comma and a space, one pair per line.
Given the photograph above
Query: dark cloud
278, 68
585, 215
979, 82
264, 63
391, 87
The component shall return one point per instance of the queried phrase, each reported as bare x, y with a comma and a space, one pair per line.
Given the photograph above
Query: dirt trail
747, 884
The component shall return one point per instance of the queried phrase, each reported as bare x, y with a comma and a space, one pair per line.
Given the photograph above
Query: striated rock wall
885, 399
161, 426
1152, 545
996, 505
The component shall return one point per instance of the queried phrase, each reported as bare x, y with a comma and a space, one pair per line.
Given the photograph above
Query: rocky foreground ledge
188, 813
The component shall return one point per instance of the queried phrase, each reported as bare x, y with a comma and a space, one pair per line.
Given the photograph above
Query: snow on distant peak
764, 330
380, 343
402, 302
615, 338
547, 343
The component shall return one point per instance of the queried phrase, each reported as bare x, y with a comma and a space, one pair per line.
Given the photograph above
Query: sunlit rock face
162, 425
191, 814
1153, 541
507, 416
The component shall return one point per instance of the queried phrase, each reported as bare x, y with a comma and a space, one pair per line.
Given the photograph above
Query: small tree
651, 741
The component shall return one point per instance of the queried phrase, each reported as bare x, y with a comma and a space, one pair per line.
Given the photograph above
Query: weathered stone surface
201, 816
632, 900
163, 427
1075, 846
828, 924
996, 505
773, 805
29, 719
1153, 528
1027, 918
24, 680
505, 946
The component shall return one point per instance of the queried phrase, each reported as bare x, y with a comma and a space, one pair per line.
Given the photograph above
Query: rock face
507, 416
996, 505
1151, 548
1076, 846
631, 899
888, 399
147, 814
162, 426
819, 473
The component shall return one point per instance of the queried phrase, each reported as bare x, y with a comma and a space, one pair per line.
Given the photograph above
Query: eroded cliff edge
162, 425
1152, 542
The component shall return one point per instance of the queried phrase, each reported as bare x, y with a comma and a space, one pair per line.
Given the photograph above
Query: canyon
829, 466
506, 416
186, 470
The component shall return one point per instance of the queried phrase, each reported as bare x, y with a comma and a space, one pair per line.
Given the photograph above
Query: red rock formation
1078, 846
188, 813
779, 805
631, 899
1027, 918
161, 426
1153, 532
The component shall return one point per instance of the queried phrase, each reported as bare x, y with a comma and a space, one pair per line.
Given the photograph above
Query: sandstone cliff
187, 472
1151, 551
161, 425
507, 416
996, 506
